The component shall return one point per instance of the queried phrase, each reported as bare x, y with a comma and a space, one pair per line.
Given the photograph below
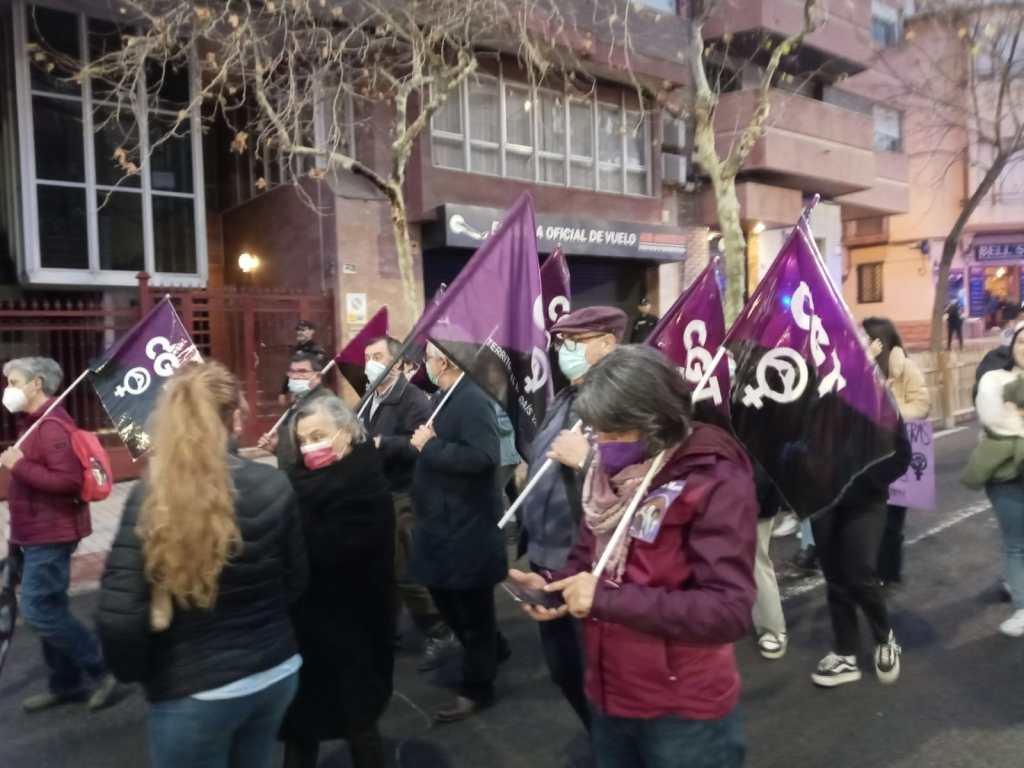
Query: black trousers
890, 554
562, 641
952, 331
847, 541
367, 749
472, 616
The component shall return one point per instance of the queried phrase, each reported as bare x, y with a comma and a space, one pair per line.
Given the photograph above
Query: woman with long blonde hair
194, 600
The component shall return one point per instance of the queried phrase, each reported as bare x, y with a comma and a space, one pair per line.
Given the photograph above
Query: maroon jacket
661, 642
44, 488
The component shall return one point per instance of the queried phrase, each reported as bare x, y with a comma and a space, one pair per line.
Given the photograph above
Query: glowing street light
248, 262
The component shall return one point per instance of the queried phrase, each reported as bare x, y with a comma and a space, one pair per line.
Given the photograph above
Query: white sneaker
786, 527
836, 670
1013, 626
773, 646
887, 660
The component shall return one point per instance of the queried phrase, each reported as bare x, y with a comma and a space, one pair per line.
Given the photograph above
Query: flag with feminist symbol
807, 400
554, 281
690, 334
491, 322
130, 375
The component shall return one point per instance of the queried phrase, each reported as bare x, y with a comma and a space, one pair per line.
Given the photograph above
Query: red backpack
97, 475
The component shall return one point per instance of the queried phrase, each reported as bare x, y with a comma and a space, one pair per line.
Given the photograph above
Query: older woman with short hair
677, 593
345, 620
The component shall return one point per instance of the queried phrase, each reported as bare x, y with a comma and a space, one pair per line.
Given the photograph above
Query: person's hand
528, 580
536, 581
570, 448
10, 457
578, 592
268, 442
422, 436
874, 349
376, 441
283, 401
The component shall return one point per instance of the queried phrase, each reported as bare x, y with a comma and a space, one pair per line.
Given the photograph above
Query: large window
888, 129
869, 283
885, 25
105, 195
501, 128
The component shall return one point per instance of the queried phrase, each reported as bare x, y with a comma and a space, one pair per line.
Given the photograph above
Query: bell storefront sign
999, 251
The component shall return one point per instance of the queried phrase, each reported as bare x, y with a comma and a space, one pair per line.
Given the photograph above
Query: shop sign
999, 251
465, 226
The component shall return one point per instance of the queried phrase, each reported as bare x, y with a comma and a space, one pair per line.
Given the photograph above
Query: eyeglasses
572, 343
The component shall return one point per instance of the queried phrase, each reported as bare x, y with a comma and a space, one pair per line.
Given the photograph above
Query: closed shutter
608, 282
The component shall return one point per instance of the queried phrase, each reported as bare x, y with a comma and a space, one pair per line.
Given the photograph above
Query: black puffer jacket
247, 631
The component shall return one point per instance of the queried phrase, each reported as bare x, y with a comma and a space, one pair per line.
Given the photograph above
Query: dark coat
288, 456
247, 631
404, 410
456, 542
345, 620
44, 488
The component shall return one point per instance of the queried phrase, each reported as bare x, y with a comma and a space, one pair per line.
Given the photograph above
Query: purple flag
554, 281
351, 360
490, 322
129, 376
691, 333
807, 400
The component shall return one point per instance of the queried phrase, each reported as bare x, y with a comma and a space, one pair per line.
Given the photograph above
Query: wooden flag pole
548, 464
627, 518
52, 405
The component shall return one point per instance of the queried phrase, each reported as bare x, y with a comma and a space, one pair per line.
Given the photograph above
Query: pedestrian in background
396, 410
458, 549
48, 520
908, 387
552, 514
644, 324
345, 620
305, 342
221, 536
954, 324
769, 620
661, 622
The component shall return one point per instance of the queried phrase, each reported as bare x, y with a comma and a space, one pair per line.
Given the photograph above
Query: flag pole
548, 463
627, 518
710, 371
444, 400
52, 405
324, 371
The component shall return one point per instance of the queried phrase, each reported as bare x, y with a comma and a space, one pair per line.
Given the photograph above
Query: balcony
809, 145
889, 194
843, 43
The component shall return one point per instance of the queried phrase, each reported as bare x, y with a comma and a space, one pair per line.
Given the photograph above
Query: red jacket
661, 642
44, 488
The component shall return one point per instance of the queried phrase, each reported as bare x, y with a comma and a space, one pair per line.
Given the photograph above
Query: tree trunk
728, 207
403, 245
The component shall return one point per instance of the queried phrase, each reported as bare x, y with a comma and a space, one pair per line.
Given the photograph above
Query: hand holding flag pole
270, 432
548, 464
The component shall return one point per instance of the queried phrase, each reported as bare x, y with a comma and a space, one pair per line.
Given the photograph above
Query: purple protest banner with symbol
351, 360
917, 487
691, 333
807, 401
554, 282
130, 375
491, 322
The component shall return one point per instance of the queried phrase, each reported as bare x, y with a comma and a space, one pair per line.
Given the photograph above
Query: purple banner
806, 400
491, 322
691, 333
130, 375
554, 282
351, 360
917, 487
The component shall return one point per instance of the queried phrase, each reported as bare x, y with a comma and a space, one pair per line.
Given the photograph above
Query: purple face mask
615, 457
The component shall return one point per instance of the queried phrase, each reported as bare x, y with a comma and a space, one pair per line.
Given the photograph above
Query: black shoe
438, 649
806, 559
835, 670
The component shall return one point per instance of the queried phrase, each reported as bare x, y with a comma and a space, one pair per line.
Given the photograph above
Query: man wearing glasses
551, 515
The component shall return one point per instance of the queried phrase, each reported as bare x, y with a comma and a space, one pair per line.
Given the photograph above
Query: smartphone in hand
530, 596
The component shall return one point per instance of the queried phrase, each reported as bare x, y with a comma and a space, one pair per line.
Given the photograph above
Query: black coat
456, 542
248, 629
404, 409
345, 621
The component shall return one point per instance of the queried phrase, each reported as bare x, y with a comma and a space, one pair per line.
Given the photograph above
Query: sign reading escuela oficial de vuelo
465, 226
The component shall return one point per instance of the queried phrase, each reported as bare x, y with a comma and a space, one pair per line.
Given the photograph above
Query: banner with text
917, 487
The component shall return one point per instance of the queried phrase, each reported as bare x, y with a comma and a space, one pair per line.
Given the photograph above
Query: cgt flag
351, 360
807, 400
690, 335
554, 282
490, 322
129, 376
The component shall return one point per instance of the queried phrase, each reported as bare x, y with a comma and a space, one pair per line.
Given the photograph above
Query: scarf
605, 500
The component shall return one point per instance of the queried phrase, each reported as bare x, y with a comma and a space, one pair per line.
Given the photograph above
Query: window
668, 6
543, 136
885, 25
888, 129
85, 220
869, 283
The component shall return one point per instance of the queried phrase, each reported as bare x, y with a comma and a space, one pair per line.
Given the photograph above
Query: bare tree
269, 69
962, 67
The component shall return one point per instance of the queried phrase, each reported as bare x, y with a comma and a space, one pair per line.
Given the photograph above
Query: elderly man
47, 522
304, 384
396, 410
458, 550
551, 515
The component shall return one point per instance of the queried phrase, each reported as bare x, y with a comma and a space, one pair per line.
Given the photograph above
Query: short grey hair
340, 415
636, 388
434, 351
44, 368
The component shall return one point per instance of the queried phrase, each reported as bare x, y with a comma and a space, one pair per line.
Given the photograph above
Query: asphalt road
957, 704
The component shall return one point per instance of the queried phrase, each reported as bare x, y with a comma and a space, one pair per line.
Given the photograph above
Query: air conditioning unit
673, 133
673, 170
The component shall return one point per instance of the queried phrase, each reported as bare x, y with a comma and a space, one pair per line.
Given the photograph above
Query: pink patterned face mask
319, 455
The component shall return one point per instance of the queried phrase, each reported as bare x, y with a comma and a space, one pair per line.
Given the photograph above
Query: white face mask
298, 386
15, 400
374, 371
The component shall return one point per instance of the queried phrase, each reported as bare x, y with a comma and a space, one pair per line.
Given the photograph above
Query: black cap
305, 325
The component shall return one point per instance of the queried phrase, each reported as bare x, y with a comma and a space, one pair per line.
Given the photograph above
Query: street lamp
248, 262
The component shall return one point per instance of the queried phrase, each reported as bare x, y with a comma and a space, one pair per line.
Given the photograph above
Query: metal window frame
94, 276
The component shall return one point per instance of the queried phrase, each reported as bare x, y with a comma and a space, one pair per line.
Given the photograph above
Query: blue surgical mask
298, 386
374, 371
573, 363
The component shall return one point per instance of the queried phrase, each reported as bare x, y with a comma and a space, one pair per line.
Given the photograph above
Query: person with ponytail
194, 600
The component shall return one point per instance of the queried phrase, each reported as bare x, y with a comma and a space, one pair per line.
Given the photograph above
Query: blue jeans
227, 733
1008, 502
668, 742
70, 650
